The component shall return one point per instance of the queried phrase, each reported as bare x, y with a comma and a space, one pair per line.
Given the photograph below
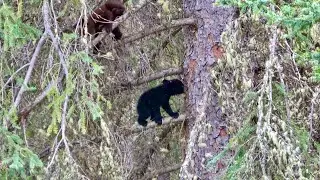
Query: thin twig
165, 43
27, 109
11, 77
147, 32
293, 59
24, 133
54, 154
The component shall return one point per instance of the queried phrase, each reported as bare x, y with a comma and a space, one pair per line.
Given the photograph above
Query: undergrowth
271, 101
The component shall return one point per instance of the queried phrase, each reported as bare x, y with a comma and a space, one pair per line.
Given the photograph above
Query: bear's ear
166, 81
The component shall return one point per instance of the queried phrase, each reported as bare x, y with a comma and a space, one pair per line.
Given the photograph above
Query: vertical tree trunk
206, 131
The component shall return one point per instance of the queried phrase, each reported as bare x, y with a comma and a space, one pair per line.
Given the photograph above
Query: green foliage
56, 101
215, 159
250, 96
239, 144
17, 161
296, 18
278, 97
237, 163
165, 5
68, 37
87, 107
13, 31
302, 136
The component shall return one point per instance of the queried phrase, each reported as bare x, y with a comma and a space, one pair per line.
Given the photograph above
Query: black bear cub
150, 101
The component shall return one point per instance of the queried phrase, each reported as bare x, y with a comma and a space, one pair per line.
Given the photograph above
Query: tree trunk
206, 130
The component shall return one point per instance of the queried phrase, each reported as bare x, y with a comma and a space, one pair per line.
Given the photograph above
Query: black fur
150, 101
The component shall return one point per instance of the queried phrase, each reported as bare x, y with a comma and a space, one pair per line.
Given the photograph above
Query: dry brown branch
137, 128
164, 73
47, 151
144, 33
293, 58
162, 171
126, 85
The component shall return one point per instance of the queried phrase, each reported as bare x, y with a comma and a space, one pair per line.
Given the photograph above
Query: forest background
251, 107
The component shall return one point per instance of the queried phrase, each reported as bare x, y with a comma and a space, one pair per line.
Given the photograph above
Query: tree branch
144, 33
30, 69
27, 109
162, 171
32, 63
127, 85
137, 128
55, 41
12, 75
164, 73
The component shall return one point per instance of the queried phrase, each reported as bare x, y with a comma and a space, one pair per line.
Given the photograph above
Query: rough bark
206, 130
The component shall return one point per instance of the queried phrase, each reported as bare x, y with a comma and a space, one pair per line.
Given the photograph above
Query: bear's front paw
175, 115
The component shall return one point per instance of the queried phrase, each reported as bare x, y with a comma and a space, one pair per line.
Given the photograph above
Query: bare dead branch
144, 33
30, 69
137, 128
27, 109
45, 11
127, 85
27, 77
12, 75
164, 73
162, 171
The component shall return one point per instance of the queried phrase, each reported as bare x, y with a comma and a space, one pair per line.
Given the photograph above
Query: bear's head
173, 87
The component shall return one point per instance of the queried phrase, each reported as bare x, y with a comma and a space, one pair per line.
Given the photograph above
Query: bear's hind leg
156, 116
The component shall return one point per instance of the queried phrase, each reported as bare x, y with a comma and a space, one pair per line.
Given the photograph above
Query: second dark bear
150, 101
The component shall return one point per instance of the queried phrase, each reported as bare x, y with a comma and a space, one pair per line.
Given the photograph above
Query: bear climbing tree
150, 101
